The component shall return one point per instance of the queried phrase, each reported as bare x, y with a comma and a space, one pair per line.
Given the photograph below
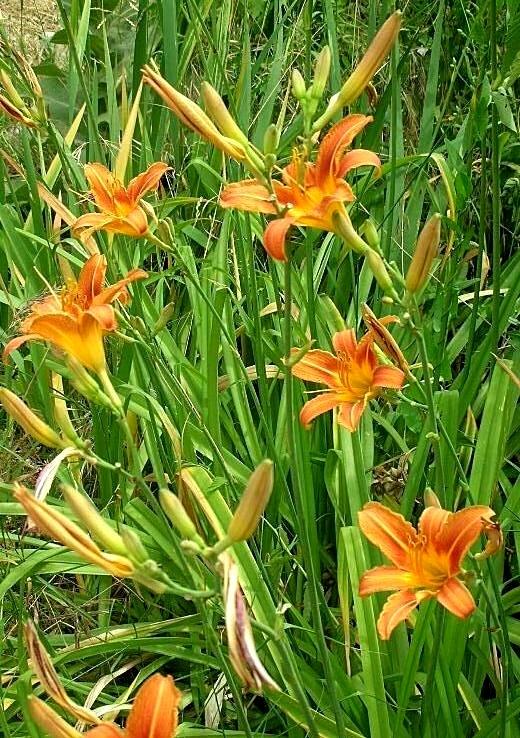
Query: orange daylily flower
353, 376
154, 714
310, 192
426, 562
119, 205
76, 319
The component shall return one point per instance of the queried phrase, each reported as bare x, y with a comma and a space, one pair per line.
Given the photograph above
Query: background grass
446, 127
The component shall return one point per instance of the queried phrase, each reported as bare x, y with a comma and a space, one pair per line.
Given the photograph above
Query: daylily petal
318, 366
248, 195
92, 276
317, 406
274, 237
389, 531
397, 608
118, 290
108, 730
388, 376
432, 521
102, 184
460, 532
384, 579
337, 139
455, 597
345, 342
15, 343
86, 224
105, 316
146, 181
350, 414
357, 158
82, 339
155, 710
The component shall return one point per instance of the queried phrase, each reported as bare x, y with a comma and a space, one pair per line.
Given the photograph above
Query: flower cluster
308, 191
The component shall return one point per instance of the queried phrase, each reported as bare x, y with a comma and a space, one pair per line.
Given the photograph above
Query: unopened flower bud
164, 318
176, 512
271, 139
49, 721
321, 73
370, 232
365, 70
191, 115
298, 85
371, 61
11, 90
134, 546
378, 268
30, 422
253, 503
96, 525
217, 110
431, 499
426, 250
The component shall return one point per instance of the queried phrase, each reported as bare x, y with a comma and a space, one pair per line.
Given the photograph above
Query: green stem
303, 531
495, 186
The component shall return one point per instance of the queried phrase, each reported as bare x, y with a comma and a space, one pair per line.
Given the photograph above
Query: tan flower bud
253, 503
425, 252
30, 422
365, 70
321, 73
191, 115
373, 58
96, 525
49, 721
54, 524
298, 85
217, 110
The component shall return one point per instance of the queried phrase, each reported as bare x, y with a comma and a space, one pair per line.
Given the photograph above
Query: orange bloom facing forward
76, 319
310, 193
353, 376
427, 561
119, 205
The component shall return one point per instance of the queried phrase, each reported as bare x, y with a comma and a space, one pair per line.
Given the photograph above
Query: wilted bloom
54, 524
49, 679
228, 139
310, 193
353, 376
426, 562
383, 337
241, 644
121, 211
154, 714
76, 319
